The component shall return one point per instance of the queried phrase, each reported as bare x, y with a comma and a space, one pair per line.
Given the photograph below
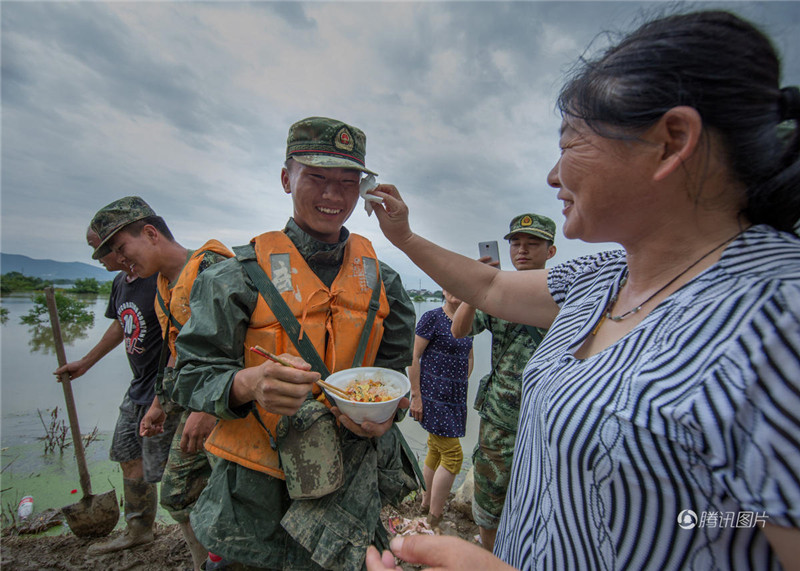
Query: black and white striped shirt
697, 408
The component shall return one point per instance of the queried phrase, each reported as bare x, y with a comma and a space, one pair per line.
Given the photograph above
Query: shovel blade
93, 516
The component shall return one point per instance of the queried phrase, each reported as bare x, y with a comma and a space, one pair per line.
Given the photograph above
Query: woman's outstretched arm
521, 297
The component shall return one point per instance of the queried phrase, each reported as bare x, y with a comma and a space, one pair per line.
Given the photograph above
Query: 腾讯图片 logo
687, 519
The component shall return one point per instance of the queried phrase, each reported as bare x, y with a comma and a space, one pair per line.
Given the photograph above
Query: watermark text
688, 519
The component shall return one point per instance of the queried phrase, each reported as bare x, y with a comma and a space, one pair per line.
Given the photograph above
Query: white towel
367, 184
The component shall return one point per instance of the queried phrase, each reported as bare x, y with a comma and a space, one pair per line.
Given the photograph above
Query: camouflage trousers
492, 461
185, 476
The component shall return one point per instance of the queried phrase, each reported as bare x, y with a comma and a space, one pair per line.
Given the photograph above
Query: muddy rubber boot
141, 502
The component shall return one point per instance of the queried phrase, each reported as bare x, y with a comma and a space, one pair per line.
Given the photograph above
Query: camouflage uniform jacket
497, 399
247, 516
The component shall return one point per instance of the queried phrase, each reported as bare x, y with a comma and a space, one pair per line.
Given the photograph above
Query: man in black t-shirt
142, 460
131, 304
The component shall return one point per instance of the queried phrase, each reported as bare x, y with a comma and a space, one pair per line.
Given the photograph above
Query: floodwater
27, 383
28, 386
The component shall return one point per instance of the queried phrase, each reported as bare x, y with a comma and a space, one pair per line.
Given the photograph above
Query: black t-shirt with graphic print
133, 305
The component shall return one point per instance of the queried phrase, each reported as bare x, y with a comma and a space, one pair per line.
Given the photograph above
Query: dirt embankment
168, 551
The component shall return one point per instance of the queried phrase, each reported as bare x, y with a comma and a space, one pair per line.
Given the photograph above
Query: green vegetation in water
51, 478
15, 281
87, 285
53, 482
91, 286
3, 314
56, 432
70, 310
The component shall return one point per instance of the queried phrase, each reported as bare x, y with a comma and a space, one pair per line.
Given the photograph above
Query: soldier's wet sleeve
397, 344
210, 347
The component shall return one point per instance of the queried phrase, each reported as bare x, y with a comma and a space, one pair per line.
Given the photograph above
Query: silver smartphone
489, 249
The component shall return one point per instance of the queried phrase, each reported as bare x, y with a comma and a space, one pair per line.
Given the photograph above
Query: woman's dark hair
728, 71
135, 228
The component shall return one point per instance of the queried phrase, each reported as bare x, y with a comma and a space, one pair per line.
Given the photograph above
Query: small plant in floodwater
55, 433
91, 437
8, 518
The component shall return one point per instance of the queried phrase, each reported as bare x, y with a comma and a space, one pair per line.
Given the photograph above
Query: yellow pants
444, 451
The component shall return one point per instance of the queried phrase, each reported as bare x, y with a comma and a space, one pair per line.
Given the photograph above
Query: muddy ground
168, 551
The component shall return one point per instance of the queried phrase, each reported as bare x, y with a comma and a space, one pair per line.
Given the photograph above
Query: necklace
624, 280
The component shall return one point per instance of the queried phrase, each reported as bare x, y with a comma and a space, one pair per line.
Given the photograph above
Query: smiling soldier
530, 243
318, 294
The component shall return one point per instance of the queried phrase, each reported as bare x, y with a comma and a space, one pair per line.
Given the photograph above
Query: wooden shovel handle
77, 441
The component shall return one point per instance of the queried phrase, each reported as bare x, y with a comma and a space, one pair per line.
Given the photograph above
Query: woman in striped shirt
660, 420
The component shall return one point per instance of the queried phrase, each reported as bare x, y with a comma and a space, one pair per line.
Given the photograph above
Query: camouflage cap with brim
327, 143
101, 252
114, 217
533, 224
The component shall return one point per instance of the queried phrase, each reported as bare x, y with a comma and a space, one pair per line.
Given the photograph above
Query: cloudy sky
188, 106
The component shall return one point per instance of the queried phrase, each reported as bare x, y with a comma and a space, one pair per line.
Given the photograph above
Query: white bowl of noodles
366, 385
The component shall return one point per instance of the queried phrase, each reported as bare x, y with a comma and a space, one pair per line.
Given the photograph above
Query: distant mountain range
50, 269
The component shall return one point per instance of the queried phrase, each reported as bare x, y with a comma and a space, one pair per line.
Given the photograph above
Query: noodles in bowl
373, 392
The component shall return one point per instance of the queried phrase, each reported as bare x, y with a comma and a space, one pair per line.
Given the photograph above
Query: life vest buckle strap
287, 319
272, 442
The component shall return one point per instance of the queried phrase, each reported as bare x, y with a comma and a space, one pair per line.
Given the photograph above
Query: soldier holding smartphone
530, 240
490, 250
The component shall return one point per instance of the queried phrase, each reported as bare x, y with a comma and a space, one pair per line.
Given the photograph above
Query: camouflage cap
114, 217
533, 224
327, 143
101, 252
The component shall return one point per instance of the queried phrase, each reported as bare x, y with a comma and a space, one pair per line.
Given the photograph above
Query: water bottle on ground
25, 508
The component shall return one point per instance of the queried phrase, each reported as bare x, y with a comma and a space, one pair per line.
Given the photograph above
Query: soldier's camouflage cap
534, 224
327, 143
114, 217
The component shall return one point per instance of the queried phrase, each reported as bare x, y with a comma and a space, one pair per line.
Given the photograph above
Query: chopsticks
258, 350
335, 390
264, 353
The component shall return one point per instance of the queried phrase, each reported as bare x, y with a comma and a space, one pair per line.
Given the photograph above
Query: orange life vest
177, 297
331, 317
